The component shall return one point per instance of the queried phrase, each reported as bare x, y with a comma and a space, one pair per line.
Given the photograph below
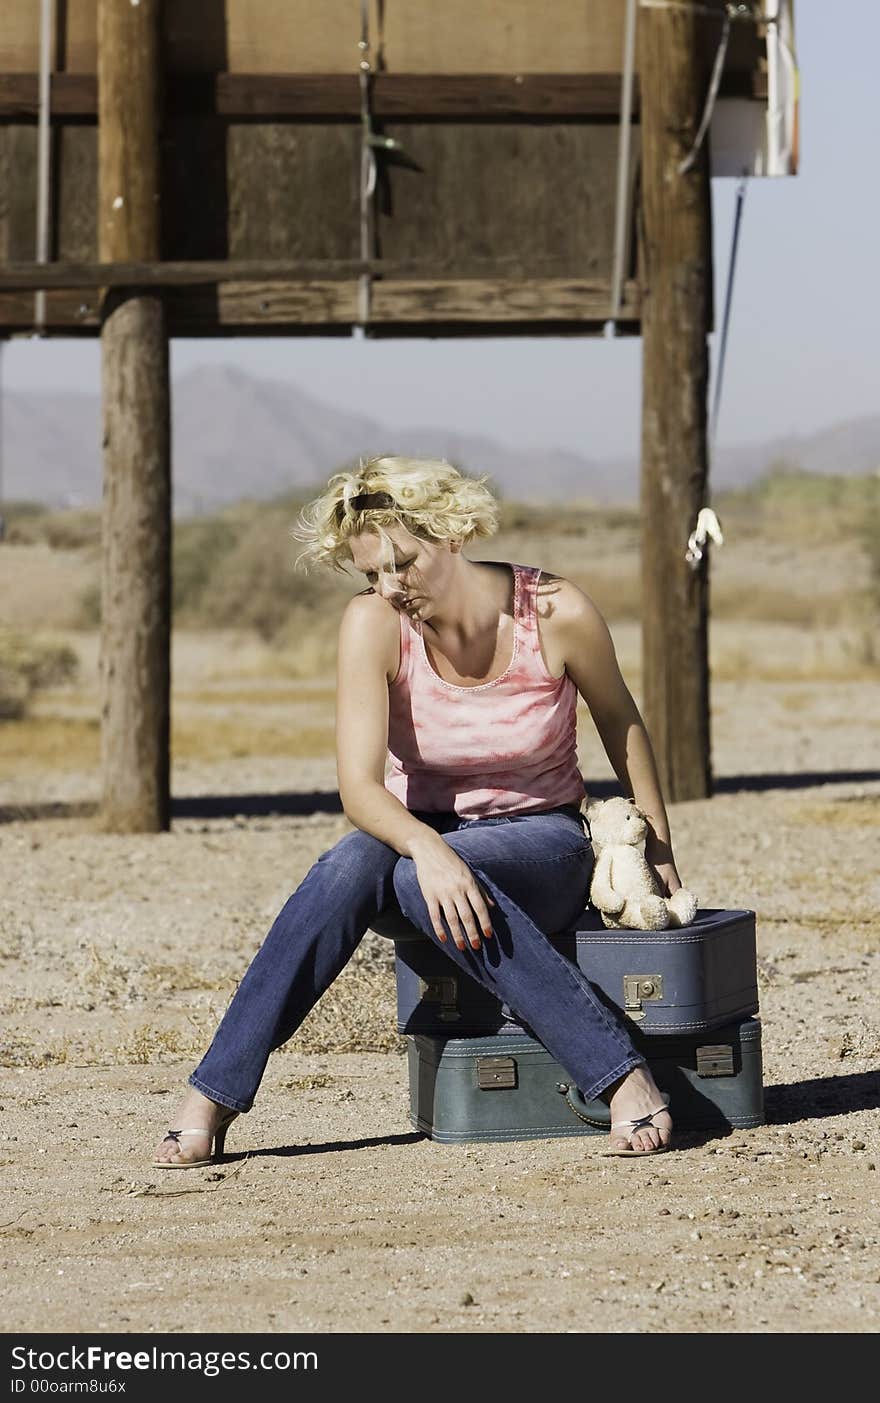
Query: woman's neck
479, 593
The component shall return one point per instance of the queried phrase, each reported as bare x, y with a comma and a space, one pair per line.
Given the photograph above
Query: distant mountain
236, 436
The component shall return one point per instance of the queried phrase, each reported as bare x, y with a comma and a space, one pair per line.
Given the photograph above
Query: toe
170, 1151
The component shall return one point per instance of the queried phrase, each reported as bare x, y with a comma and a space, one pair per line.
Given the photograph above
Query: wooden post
676, 258
136, 576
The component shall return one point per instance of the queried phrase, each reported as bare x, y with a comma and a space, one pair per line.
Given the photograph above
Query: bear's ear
592, 809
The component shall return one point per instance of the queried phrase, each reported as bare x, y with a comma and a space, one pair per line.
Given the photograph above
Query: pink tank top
505, 746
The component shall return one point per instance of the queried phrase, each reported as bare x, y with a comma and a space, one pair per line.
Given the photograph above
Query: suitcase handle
592, 1112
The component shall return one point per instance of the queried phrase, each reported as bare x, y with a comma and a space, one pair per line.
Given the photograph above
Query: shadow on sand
326, 801
822, 1097
324, 1148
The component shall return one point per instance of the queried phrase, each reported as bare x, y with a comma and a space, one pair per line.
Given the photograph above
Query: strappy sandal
628, 1128
218, 1141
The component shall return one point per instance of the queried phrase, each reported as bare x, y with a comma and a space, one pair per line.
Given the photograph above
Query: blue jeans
536, 867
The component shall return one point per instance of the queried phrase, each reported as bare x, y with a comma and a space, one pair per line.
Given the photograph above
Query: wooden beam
676, 266
136, 566
197, 273
267, 96
279, 307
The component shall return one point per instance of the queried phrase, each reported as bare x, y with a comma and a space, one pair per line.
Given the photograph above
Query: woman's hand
451, 892
660, 859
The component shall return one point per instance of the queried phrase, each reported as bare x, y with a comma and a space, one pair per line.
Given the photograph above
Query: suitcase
508, 1087
685, 980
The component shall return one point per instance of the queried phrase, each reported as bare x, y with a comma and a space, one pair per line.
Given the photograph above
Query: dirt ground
330, 1214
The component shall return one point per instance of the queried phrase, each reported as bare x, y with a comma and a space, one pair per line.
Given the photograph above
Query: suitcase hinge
637, 989
442, 989
715, 1060
496, 1073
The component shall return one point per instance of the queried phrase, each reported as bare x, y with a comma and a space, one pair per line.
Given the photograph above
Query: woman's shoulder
562, 601
371, 627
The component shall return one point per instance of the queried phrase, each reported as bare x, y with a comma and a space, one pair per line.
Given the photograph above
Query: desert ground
329, 1212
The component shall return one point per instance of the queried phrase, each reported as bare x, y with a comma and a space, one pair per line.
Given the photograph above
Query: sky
802, 352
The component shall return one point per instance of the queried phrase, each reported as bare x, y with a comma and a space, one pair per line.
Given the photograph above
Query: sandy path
331, 1214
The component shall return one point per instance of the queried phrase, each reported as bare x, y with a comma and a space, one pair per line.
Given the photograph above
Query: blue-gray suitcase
508, 1087
685, 980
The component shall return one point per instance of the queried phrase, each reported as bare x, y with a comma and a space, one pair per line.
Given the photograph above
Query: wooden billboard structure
260, 167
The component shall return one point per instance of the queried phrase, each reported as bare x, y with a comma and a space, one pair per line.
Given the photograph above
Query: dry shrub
200, 546
27, 665
21, 1051
30, 524
358, 1014
800, 507
239, 573
149, 1044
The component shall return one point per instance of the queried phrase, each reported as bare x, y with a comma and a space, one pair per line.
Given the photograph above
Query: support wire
44, 151
621, 208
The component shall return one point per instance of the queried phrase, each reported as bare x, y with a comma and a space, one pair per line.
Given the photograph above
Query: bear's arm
602, 893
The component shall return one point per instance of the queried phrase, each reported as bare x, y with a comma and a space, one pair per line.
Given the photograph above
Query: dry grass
794, 597
862, 812
29, 664
280, 695
67, 744
49, 743
209, 738
21, 1051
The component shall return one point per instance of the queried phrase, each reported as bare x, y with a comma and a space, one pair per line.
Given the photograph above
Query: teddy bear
624, 889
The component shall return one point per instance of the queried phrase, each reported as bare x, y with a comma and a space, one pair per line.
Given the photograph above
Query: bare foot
202, 1119
637, 1096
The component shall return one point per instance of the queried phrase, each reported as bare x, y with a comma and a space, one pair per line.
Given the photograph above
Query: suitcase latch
637, 989
715, 1060
442, 989
496, 1073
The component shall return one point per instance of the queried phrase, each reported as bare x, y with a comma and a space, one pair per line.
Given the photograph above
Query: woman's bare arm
580, 633
367, 662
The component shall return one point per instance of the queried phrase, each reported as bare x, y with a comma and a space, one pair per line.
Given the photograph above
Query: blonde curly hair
427, 496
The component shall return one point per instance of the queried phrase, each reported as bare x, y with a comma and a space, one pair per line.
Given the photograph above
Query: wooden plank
477, 199
23, 276
533, 193
277, 308
293, 190
68, 313
76, 47
335, 95
416, 95
75, 191
18, 193
496, 299
676, 316
418, 36
72, 95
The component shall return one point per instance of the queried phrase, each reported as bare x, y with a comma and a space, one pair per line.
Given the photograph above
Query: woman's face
421, 574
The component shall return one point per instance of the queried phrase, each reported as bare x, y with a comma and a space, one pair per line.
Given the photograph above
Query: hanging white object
749, 138
708, 528
783, 90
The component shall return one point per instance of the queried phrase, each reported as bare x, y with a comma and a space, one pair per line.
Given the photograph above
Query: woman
466, 673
